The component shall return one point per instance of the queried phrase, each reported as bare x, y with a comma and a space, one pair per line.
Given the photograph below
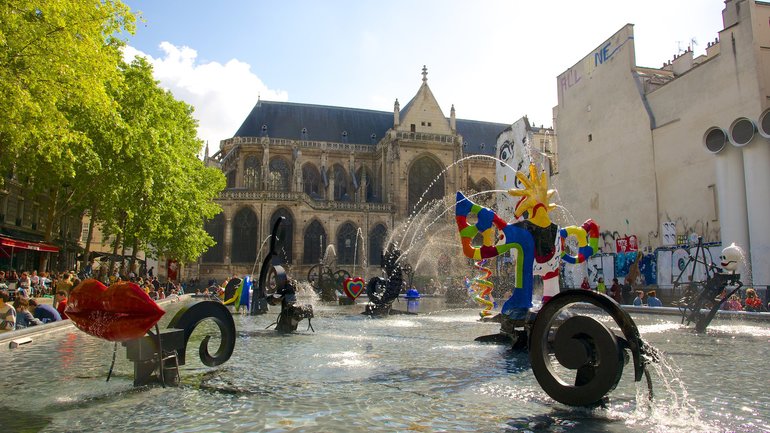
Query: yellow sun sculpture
535, 197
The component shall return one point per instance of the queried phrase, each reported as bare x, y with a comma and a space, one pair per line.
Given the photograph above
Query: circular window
715, 139
741, 131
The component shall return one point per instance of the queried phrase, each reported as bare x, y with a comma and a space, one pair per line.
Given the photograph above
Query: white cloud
222, 95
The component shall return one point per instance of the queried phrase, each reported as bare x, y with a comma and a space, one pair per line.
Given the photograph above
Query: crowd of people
22, 295
625, 294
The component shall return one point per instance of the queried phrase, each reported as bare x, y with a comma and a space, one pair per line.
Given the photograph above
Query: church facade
339, 176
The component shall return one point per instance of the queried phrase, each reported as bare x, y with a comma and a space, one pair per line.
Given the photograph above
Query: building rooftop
296, 121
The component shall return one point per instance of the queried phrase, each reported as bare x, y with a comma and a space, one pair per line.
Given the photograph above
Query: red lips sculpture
120, 312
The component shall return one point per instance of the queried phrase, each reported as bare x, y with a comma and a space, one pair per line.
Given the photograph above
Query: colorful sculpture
353, 287
481, 288
120, 312
241, 295
536, 240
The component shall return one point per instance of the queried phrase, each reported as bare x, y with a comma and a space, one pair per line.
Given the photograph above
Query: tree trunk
87, 252
49, 226
134, 248
123, 260
118, 243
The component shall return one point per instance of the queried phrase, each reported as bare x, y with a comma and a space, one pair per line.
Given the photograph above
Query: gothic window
314, 243
230, 176
377, 244
471, 184
370, 183
426, 183
251, 172
215, 227
346, 244
279, 175
245, 229
283, 245
341, 192
487, 198
311, 181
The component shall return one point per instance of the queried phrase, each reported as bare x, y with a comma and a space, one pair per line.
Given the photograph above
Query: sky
494, 60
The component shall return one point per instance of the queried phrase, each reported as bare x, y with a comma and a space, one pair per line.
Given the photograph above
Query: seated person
24, 318
7, 313
752, 302
61, 303
639, 300
44, 312
652, 300
733, 304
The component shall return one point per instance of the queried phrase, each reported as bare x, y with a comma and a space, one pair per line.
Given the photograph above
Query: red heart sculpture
353, 287
118, 313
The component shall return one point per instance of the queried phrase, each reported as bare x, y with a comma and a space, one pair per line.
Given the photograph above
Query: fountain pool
399, 373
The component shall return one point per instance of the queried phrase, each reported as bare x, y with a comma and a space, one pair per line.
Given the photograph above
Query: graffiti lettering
569, 79
603, 54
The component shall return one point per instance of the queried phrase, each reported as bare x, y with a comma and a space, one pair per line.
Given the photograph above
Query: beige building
662, 153
340, 176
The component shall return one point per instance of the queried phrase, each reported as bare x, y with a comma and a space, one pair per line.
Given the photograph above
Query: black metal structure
584, 347
383, 291
702, 300
164, 351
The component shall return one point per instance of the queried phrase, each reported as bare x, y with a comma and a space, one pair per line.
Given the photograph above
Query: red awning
36, 246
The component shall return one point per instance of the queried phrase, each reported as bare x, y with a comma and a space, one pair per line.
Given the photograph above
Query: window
311, 181
216, 229
377, 244
340, 184
426, 183
347, 243
279, 175
84, 231
314, 243
251, 172
245, 229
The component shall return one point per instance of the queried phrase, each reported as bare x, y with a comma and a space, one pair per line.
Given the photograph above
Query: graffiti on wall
662, 267
708, 231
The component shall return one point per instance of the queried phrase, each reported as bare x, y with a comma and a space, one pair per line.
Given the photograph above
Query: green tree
57, 59
162, 192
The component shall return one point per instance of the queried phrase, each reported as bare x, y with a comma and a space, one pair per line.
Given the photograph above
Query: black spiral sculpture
188, 319
164, 351
585, 347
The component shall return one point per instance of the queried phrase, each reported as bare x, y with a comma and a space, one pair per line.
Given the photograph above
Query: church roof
326, 123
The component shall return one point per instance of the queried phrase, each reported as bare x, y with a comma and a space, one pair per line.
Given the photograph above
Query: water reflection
415, 373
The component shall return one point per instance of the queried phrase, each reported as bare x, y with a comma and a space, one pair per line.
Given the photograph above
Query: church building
340, 176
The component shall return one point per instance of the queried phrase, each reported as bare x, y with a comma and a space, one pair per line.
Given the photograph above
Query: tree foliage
165, 191
87, 131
